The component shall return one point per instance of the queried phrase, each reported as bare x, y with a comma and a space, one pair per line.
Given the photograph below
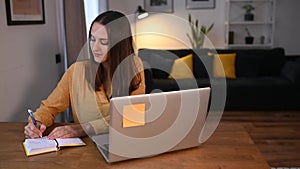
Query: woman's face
99, 42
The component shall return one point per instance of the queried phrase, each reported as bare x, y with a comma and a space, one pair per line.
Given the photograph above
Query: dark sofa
266, 79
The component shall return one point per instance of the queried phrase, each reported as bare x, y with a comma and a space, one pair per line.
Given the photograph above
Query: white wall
287, 31
168, 30
288, 26
28, 71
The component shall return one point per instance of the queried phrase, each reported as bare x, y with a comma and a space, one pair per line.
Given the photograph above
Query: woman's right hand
31, 131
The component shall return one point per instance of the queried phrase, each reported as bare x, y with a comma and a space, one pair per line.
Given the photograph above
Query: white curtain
92, 8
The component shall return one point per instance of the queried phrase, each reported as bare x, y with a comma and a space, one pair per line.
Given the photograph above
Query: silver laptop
152, 124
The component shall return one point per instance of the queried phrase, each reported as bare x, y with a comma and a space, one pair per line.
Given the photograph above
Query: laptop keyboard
104, 148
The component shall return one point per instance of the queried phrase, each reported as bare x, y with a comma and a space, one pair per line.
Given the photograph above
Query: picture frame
200, 4
165, 6
20, 12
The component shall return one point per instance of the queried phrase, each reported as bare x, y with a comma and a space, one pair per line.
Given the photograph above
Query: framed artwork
25, 12
159, 6
200, 4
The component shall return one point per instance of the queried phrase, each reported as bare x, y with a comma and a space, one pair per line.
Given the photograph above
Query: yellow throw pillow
182, 68
228, 62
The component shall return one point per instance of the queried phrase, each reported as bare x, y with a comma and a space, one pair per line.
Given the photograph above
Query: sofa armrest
291, 71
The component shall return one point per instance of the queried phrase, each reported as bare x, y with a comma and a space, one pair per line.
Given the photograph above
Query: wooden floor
276, 134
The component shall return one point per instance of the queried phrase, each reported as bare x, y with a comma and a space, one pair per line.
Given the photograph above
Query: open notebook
43, 145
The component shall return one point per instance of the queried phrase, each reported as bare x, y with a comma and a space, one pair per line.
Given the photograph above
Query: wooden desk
230, 147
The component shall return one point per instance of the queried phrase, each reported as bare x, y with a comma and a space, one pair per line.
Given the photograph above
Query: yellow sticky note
133, 115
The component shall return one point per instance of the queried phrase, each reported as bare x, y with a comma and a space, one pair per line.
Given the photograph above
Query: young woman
111, 70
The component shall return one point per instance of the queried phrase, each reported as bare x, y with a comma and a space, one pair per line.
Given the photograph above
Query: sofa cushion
268, 61
273, 62
227, 69
257, 62
202, 63
246, 64
182, 68
159, 61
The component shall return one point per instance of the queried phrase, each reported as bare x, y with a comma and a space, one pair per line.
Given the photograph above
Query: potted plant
198, 35
249, 38
249, 16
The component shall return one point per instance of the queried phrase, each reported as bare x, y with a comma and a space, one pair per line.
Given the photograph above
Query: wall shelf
250, 45
261, 28
249, 23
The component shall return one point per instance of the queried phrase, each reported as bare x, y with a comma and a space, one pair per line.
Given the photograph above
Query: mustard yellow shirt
88, 105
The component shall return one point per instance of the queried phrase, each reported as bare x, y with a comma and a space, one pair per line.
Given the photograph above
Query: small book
43, 145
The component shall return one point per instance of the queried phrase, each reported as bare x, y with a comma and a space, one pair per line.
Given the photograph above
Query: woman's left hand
67, 131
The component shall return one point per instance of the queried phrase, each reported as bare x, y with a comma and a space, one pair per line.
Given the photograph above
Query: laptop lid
151, 124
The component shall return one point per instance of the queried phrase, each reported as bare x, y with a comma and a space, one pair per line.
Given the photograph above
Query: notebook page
70, 142
39, 143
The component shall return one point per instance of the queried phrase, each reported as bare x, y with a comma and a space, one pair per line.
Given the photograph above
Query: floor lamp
140, 13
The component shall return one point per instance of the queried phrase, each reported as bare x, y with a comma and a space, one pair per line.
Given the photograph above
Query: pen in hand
33, 119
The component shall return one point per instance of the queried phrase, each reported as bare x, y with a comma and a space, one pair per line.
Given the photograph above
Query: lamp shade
141, 13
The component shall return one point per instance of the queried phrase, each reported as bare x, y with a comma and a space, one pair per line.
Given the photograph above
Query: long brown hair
123, 70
